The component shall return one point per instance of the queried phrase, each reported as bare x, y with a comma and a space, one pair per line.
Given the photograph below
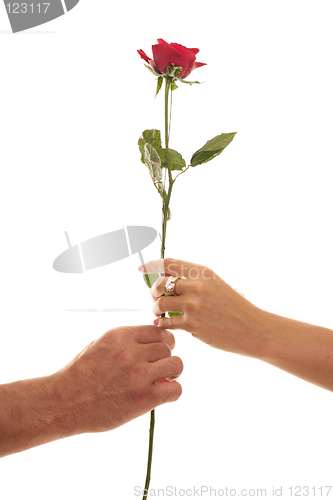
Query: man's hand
119, 377
125, 373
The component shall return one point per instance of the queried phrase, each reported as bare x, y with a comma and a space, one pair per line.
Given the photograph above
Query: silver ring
170, 285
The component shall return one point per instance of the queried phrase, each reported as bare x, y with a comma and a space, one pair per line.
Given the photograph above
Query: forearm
299, 348
32, 412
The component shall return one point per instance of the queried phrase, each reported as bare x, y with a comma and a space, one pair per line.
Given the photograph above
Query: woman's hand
211, 309
220, 316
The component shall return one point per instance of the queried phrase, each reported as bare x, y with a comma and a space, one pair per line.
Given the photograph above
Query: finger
171, 367
156, 351
154, 266
174, 267
163, 381
168, 304
147, 334
167, 392
173, 323
158, 289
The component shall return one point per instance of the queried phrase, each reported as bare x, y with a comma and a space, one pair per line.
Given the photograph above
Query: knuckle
166, 350
189, 323
191, 305
157, 333
161, 303
155, 309
172, 340
112, 334
198, 287
178, 390
159, 306
175, 391
177, 365
162, 349
127, 357
157, 287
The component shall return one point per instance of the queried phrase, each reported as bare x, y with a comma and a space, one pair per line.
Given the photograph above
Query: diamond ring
170, 286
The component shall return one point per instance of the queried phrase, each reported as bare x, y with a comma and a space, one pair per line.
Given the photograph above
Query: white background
75, 97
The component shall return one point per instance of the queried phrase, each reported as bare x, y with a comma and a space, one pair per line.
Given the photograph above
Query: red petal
160, 40
183, 50
149, 61
144, 56
164, 55
198, 64
180, 47
188, 58
194, 66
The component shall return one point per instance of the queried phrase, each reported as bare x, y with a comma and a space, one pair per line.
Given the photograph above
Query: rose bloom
165, 54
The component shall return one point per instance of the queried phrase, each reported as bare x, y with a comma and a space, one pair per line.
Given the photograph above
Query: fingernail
156, 321
140, 268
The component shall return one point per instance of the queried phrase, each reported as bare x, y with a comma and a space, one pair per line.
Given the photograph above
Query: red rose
165, 54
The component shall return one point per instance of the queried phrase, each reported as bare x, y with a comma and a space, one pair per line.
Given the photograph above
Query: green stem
150, 453
168, 81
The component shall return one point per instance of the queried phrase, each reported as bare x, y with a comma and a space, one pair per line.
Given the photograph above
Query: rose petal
198, 64
188, 58
149, 61
164, 55
144, 56
160, 40
184, 51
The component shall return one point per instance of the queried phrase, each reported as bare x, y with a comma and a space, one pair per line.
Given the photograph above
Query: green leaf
173, 85
174, 314
186, 81
212, 148
177, 162
153, 136
150, 279
151, 70
159, 84
151, 159
150, 156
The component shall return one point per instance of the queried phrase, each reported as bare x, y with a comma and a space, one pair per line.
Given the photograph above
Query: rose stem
168, 81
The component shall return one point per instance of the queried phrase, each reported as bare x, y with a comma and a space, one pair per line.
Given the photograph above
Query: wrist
262, 334
33, 412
